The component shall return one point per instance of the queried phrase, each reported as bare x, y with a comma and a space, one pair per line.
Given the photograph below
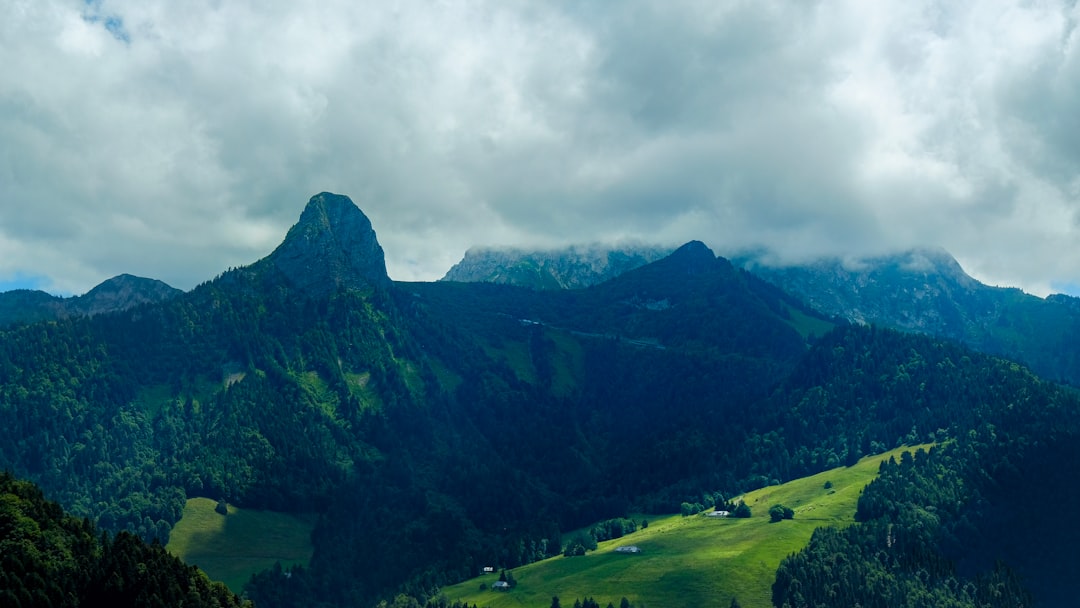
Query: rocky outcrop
331, 247
568, 268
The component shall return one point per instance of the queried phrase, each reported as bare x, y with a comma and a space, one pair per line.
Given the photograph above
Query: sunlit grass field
691, 561
232, 548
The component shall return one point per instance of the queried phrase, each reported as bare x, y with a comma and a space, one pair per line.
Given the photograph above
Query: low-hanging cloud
174, 141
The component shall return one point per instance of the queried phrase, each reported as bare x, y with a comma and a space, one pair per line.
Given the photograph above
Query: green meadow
690, 561
232, 548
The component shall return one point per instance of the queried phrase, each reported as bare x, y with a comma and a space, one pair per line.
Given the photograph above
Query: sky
174, 140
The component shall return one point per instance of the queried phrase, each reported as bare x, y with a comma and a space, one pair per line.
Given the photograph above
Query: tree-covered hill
439, 427
48, 558
926, 291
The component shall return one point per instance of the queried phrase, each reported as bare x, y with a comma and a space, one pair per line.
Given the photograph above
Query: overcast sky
176, 139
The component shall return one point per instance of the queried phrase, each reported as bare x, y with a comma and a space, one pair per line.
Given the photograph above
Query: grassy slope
231, 549
692, 561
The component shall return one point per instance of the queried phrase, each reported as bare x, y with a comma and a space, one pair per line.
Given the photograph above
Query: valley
417, 432
231, 548
691, 561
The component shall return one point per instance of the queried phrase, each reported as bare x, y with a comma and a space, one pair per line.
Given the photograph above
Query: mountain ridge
465, 424
117, 294
572, 267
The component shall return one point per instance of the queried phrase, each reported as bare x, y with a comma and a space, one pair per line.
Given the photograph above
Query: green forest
435, 428
48, 558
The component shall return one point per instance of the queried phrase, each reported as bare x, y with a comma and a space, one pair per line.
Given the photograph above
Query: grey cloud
191, 143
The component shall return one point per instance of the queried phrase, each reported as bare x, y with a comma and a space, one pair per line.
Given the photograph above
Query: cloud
174, 141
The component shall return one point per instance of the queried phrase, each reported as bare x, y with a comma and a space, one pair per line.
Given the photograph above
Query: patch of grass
360, 387
232, 548
569, 361
691, 561
806, 325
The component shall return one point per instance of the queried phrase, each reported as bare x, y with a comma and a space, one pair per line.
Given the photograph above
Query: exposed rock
333, 246
568, 268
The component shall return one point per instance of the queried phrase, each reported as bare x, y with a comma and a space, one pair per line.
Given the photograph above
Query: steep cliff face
333, 246
568, 268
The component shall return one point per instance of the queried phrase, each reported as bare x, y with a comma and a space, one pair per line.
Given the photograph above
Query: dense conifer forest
48, 558
436, 428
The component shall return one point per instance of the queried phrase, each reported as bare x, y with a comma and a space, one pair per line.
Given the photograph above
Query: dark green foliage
939, 528
780, 512
48, 558
741, 510
579, 545
613, 528
691, 508
438, 428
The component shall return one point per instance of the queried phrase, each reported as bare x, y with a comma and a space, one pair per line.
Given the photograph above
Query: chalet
489, 569
628, 549
720, 514
501, 586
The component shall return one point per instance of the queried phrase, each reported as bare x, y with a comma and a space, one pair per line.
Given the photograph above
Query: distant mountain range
567, 268
116, 294
435, 428
920, 290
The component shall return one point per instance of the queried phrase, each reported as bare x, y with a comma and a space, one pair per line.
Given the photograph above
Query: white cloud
175, 140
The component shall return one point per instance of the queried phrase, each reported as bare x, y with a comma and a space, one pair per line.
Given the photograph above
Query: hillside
48, 558
435, 427
119, 293
927, 291
231, 547
691, 561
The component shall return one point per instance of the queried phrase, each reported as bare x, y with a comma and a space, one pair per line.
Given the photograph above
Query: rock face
923, 290
568, 268
333, 246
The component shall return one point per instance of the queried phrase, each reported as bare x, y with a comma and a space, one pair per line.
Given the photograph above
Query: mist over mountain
926, 291
919, 290
434, 428
567, 268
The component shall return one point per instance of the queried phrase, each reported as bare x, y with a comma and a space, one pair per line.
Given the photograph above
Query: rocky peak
571, 267
332, 246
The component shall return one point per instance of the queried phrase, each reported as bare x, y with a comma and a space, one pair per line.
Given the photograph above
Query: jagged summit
571, 267
332, 246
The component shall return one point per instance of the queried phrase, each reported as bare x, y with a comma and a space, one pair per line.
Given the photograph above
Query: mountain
333, 246
434, 428
926, 291
116, 294
568, 268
